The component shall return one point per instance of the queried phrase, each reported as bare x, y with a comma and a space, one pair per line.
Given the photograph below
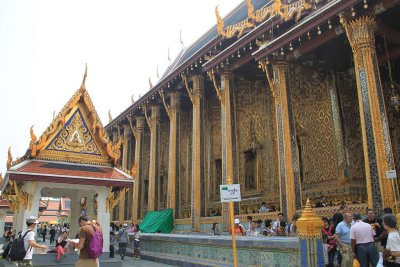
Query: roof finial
109, 116
180, 37
9, 159
132, 99
158, 75
83, 86
150, 84
169, 58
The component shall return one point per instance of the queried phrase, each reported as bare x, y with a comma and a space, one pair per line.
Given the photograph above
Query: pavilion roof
70, 173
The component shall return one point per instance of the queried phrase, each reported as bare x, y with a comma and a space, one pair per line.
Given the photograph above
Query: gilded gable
75, 137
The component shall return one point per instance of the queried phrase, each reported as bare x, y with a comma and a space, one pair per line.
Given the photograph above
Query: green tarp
158, 222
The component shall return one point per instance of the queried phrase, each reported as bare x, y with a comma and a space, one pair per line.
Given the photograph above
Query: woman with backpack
90, 243
21, 249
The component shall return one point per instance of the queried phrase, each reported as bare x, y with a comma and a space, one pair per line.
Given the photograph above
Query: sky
44, 46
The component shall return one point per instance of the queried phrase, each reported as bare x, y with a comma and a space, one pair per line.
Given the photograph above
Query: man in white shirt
362, 242
278, 221
29, 242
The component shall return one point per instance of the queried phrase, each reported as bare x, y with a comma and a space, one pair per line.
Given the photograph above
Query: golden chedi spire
309, 225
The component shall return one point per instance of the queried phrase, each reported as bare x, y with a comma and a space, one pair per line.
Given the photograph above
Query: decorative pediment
76, 135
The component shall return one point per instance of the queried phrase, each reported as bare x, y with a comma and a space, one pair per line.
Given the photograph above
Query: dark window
250, 169
218, 175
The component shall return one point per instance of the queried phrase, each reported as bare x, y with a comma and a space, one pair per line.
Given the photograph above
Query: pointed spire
83, 86
150, 84
169, 58
109, 116
9, 159
180, 37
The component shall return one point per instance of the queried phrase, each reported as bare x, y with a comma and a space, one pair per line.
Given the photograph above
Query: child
112, 243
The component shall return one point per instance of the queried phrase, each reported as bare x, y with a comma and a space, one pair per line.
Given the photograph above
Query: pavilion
72, 159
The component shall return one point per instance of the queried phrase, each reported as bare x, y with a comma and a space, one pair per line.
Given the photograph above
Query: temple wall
313, 117
255, 119
185, 164
213, 150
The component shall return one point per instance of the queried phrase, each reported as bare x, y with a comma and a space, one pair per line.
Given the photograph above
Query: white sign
391, 174
230, 193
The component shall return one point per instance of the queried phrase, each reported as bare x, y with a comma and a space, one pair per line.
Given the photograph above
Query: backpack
17, 251
96, 244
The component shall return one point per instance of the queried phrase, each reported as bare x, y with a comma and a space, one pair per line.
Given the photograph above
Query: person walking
90, 240
52, 234
112, 244
362, 242
342, 236
29, 242
136, 242
44, 232
123, 239
392, 251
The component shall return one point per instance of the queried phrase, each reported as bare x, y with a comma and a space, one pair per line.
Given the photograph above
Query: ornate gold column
289, 171
196, 95
377, 146
154, 125
173, 111
137, 171
229, 161
121, 206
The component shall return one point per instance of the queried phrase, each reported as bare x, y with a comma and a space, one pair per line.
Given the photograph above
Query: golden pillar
289, 171
173, 111
121, 206
229, 160
137, 170
196, 95
378, 154
154, 125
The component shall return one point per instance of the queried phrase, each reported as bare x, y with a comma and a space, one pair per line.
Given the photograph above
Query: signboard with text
230, 193
391, 174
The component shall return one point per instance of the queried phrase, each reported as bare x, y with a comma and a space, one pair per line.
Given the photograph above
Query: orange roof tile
72, 173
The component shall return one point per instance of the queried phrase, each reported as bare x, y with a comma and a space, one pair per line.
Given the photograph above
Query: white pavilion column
103, 217
75, 212
32, 206
2, 219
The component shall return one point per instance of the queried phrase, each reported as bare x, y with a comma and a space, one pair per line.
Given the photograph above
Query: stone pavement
127, 262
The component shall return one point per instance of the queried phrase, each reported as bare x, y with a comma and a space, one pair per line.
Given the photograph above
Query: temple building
290, 99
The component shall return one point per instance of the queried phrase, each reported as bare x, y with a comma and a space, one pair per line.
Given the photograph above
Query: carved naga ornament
277, 9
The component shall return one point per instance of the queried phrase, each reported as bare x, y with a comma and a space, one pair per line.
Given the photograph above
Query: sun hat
237, 221
32, 219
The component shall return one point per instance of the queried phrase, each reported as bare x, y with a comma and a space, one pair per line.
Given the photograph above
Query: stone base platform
206, 250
